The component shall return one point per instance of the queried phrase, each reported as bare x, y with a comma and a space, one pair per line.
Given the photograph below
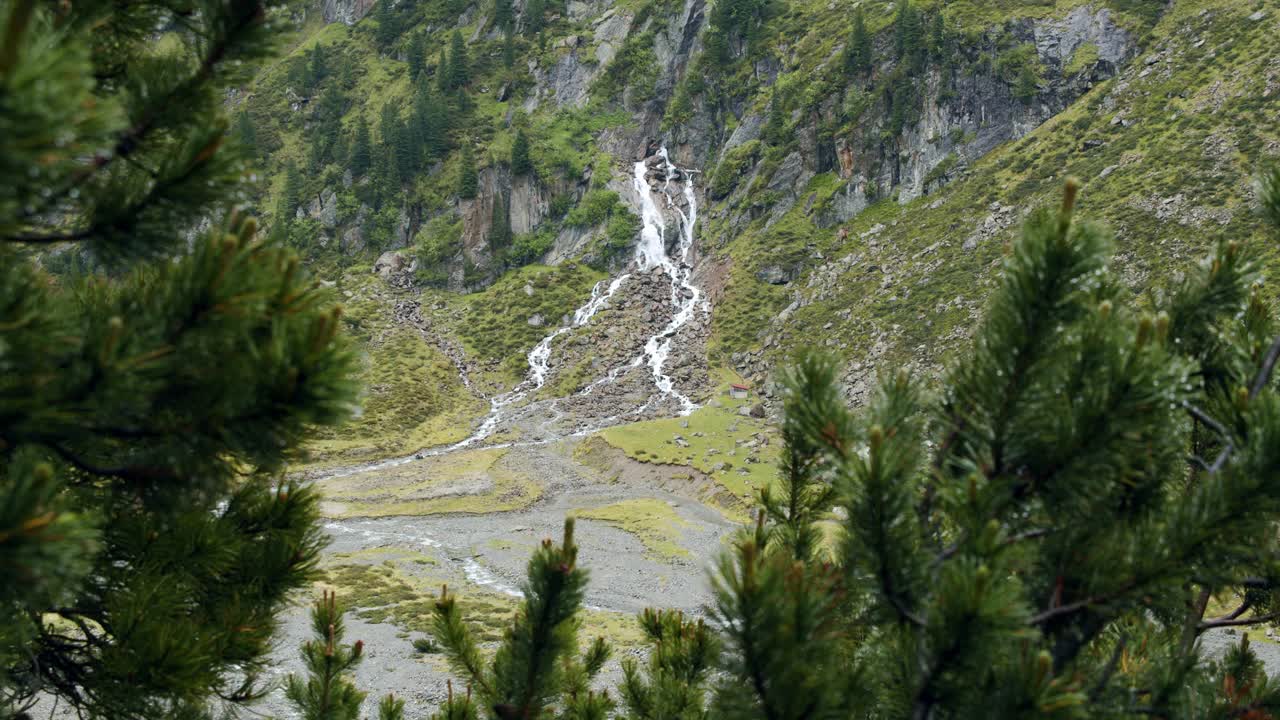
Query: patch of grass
653, 522
474, 481
718, 443
384, 594
1084, 57
496, 326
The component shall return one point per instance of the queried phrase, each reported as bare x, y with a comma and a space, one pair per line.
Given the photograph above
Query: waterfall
652, 252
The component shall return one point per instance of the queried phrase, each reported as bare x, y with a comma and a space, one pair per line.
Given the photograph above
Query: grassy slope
413, 397
715, 441
399, 587
652, 521
917, 290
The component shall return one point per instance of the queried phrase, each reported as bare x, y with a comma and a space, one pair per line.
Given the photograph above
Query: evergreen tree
443, 74
536, 667
1040, 539
938, 36
327, 692
398, 144
317, 67
500, 226
361, 149
147, 540
327, 125
508, 51
247, 133
287, 203
416, 55
520, 162
909, 34
504, 15
858, 54
678, 672
388, 29
468, 182
459, 64
535, 12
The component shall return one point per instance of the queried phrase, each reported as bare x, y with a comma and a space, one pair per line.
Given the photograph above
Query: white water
476, 573
651, 252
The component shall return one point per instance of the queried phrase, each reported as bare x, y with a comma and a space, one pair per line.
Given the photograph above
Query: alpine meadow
640, 359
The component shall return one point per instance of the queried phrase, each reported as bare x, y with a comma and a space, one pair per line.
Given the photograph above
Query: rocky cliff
857, 208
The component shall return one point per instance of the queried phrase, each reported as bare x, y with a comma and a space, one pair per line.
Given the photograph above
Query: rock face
345, 11
962, 118
396, 268
567, 82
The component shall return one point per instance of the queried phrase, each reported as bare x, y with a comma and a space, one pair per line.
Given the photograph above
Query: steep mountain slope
793, 139
703, 189
1167, 150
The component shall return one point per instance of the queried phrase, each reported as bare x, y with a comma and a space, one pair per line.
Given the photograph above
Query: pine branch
250, 14
1194, 617
1264, 373
1232, 621
1100, 686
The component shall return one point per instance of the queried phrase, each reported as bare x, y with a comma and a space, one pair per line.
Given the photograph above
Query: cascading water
651, 252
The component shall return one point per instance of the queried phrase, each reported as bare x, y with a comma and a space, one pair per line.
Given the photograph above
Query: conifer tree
468, 182
938, 36
520, 162
247, 133
459, 64
416, 55
397, 141
1042, 538
443, 74
674, 685
908, 32
388, 24
428, 123
290, 194
858, 54
535, 12
147, 539
317, 67
508, 51
328, 692
361, 149
535, 671
504, 15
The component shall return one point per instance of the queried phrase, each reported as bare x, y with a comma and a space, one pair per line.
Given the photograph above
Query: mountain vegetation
154, 388
798, 290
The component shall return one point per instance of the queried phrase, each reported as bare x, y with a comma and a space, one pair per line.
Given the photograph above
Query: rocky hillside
859, 165
563, 229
